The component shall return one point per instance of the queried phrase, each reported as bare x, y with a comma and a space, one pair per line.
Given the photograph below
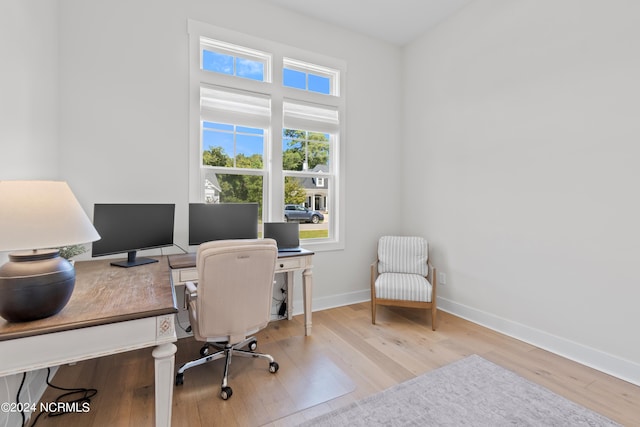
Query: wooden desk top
105, 294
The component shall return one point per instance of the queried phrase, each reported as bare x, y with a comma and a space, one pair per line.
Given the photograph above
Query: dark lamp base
35, 285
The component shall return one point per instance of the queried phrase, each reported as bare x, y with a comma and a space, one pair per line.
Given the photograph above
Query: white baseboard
596, 359
325, 303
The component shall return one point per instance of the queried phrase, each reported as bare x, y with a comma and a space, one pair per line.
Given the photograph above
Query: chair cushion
406, 287
403, 254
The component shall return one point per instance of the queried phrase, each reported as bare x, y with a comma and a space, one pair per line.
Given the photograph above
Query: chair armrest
190, 292
432, 274
192, 288
374, 276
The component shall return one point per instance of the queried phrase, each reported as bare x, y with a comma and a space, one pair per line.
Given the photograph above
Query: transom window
226, 58
310, 77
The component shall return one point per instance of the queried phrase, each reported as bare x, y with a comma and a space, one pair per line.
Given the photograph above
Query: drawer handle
281, 265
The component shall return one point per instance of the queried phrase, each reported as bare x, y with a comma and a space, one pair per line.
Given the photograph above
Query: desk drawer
188, 275
289, 264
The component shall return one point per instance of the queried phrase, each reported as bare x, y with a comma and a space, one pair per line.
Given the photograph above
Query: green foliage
314, 234
236, 188
294, 193
69, 252
240, 188
315, 148
215, 157
248, 188
253, 162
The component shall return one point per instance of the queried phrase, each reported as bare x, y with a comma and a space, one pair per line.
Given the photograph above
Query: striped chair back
403, 254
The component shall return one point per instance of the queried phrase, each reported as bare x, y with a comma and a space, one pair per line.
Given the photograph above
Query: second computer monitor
222, 221
130, 227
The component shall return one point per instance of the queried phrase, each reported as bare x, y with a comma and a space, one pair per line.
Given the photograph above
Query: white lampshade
40, 215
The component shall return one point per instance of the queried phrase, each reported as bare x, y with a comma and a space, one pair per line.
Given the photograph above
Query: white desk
183, 269
112, 310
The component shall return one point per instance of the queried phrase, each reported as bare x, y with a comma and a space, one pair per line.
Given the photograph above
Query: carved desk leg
164, 356
307, 296
289, 280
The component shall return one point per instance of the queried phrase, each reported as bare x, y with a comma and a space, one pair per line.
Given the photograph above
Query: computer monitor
286, 235
222, 221
128, 228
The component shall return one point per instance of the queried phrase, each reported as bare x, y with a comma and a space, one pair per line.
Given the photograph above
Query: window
275, 141
310, 77
235, 146
233, 142
225, 58
304, 150
306, 163
230, 147
309, 141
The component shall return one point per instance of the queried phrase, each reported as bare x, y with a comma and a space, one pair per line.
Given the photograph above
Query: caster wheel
273, 367
204, 351
179, 379
226, 393
253, 345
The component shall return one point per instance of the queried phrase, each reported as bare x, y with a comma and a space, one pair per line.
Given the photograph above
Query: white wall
525, 177
28, 126
29, 90
124, 114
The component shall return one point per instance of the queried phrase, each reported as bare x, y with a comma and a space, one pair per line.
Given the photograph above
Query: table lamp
35, 218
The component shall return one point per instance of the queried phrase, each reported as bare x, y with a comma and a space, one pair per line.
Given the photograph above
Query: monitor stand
133, 261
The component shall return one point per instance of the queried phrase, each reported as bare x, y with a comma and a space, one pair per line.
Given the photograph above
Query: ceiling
395, 21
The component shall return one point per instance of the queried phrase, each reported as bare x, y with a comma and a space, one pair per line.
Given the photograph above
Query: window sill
323, 246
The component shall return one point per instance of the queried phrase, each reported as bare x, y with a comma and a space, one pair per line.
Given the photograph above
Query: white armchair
403, 276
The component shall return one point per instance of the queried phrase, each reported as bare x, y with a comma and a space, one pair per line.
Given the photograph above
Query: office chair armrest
191, 288
190, 291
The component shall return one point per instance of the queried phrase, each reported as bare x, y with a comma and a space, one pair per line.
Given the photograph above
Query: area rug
469, 392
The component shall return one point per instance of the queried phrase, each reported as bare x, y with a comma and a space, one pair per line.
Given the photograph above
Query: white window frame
273, 175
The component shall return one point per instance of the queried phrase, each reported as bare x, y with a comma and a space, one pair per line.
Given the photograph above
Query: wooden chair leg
433, 318
373, 311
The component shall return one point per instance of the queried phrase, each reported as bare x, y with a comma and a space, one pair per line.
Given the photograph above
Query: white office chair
231, 301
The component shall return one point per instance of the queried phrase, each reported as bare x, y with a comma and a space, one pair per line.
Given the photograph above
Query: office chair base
226, 393
227, 351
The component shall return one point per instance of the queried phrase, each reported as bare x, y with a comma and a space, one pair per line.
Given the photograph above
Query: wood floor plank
348, 350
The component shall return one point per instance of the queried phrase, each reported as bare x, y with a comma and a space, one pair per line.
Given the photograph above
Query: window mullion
276, 183
235, 146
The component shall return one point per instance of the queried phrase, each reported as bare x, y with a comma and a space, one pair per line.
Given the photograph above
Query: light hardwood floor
370, 358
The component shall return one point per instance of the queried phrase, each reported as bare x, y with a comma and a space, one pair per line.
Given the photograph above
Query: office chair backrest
235, 287
403, 254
